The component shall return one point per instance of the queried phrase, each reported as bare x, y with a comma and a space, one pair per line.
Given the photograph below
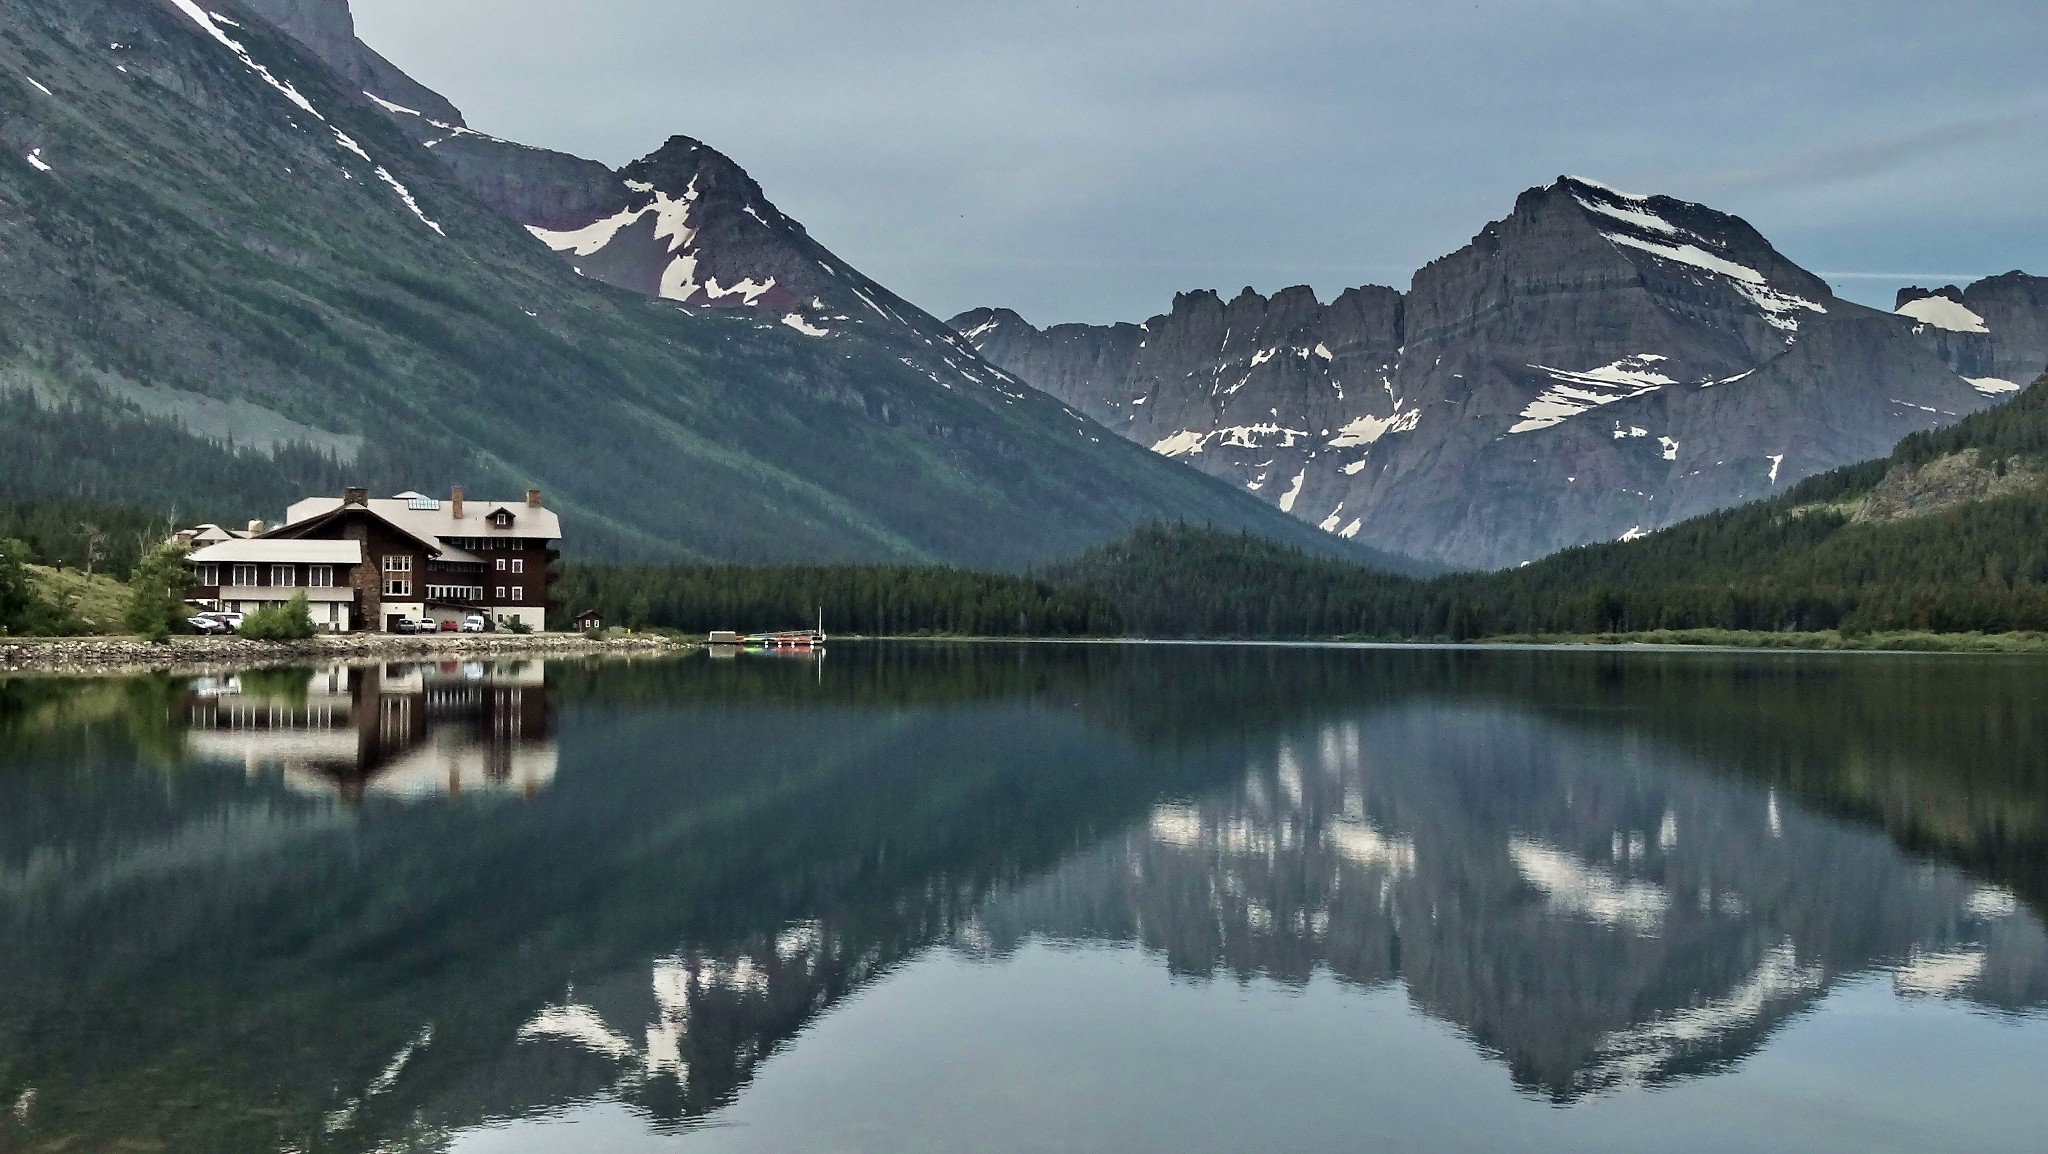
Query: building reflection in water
408, 730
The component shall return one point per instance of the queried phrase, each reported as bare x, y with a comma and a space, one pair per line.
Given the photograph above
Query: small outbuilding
589, 621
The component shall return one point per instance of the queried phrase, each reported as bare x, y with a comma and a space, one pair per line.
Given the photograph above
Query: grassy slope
95, 601
198, 241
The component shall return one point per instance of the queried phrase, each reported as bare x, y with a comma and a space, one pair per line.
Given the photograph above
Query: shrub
515, 625
291, 621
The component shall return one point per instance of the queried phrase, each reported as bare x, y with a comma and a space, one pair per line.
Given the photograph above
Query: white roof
409, 513
272, 551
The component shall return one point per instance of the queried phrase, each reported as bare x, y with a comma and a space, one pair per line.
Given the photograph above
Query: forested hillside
1948, 534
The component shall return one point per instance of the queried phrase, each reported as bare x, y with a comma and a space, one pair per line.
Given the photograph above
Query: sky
1084, 162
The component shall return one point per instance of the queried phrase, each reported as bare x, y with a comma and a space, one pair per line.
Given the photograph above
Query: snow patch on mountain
405, 196
1293, 492
1779, 308
1253, 436
35, 161
1943, 313
986, 327
672, 223
1188, 442
1369, 429
1181, 444
1634, 212
452, 130
1992, 386
1576, 392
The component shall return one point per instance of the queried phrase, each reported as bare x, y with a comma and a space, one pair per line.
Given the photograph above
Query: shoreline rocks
133, 654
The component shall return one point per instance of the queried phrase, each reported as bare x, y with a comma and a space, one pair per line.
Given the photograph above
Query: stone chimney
354, 496
533, 498
455, 503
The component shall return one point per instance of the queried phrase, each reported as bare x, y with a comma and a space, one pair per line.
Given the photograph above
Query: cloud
1087, 161
1863, 158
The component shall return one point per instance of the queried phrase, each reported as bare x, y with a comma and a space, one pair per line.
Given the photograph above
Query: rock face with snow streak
1596, 365
328, 28
685, 223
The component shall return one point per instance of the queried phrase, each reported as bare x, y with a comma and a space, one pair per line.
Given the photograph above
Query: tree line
864, 599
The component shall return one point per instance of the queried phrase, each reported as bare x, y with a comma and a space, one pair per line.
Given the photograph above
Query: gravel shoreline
204, 654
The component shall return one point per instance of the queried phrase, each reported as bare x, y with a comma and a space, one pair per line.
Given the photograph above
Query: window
518, 594
518, 543
455, 592
501, 564
518, 565
320, 577
501, 593
398, 562
245, 575
209, 575
397, 587
282, 575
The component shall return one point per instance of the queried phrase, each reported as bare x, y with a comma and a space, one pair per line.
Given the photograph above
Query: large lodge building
368, 564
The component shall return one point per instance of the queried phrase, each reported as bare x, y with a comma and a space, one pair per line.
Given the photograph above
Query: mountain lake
987, 897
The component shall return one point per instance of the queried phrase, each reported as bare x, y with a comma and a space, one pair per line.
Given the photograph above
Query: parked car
448, 625
476, 623
215, 621
408, 625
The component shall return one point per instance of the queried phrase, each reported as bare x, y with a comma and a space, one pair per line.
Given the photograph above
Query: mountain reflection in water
362, 908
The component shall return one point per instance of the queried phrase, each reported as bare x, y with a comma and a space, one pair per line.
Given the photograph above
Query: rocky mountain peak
1994, 332
1594, 364
327, 28
1912, 293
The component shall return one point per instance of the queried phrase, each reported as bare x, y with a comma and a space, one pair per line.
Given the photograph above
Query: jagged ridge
1595, 365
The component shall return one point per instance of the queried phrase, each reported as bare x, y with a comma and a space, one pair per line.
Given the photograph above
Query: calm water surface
1004, 898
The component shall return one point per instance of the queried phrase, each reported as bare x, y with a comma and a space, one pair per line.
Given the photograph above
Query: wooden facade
415, 559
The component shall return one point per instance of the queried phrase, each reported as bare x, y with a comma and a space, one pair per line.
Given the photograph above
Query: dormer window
501, 519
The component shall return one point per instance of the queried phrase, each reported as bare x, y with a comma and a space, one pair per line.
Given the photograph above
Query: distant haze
1085, 162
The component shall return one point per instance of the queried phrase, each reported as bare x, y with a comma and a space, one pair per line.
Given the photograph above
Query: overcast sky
1086, 161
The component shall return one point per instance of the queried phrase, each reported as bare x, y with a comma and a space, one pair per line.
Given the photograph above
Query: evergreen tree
156, 594
16, 598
